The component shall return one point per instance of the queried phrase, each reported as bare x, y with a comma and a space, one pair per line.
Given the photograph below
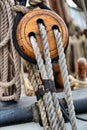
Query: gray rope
64, 72
50, 73
46, 51
35, 85
47, 97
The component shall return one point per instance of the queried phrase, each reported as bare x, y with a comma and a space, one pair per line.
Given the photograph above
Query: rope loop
10, 84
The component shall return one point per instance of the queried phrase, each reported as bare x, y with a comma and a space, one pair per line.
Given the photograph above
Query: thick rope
35, 84
46, 51
22, 9
53, 120
64, 72
50, 73
9, 60
47, 97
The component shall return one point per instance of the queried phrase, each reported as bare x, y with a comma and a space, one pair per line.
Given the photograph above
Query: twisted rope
50, 74
64, 72
46, 51
32, 3
9, 73
47, 97
23, 9
35, 84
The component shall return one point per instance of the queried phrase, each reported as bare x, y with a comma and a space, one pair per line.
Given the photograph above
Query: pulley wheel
28, 26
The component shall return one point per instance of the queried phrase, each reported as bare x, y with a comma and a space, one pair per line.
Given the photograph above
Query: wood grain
28, 25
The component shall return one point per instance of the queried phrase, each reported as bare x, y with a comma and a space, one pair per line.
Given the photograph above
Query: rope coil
10, 85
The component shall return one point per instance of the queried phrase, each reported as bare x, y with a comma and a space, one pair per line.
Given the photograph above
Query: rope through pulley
41, 35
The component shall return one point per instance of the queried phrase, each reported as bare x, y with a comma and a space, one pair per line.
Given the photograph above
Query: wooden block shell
28, 25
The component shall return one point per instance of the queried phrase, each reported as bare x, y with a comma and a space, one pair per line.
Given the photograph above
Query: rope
50, 100
47, 97
35, 84
32, 3
50, 73
63, 67
9, 60
21, 8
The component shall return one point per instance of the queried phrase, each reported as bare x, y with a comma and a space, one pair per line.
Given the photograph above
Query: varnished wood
28, 24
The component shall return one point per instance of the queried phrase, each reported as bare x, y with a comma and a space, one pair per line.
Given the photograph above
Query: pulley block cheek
28, 26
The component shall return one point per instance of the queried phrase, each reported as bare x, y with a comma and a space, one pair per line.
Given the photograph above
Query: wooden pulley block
28, 26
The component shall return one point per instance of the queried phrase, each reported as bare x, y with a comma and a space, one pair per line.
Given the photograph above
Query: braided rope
9, 73
64, 72
35, 85
50, 73
47, 97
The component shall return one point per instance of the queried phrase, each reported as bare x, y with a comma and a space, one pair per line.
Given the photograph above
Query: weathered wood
28, 26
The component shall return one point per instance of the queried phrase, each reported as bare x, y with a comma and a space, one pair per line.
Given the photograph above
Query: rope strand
64, 72
47, 97
50, 74
9, 74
